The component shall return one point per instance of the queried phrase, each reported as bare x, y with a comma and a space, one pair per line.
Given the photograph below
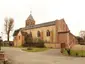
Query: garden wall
78, 47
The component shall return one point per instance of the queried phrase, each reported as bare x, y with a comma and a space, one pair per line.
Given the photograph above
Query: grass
65, 52
35, 49
78, 53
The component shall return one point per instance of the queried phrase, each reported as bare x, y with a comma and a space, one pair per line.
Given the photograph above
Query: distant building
55, 32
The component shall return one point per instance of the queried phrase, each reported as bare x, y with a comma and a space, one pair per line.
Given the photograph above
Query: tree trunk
8, 37
0, 44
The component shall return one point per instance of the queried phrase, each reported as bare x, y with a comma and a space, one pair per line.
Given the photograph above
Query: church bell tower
30, 20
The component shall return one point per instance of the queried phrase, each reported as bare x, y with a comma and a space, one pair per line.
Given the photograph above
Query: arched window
48, 33
31, 34
19, 37
38, 33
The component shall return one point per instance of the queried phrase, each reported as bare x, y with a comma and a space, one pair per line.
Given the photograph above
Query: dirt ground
52, 56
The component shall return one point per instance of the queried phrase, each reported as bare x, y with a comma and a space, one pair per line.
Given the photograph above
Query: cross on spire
30, 12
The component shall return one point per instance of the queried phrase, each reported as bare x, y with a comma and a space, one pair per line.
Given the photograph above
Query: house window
48, 33
38, 33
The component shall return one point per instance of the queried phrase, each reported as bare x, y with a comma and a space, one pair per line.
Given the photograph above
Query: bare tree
9, 23
82, 34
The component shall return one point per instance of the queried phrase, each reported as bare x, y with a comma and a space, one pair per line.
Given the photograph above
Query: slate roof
41, 25
16, 32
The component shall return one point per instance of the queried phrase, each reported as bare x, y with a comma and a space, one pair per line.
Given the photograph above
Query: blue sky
73, 11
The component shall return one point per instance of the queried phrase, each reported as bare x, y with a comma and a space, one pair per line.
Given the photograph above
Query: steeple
30, 20
30, 17
30, 12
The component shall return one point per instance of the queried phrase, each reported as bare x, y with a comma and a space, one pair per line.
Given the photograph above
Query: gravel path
53, 56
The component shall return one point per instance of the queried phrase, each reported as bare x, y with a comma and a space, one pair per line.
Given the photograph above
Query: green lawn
35, 49
78, 53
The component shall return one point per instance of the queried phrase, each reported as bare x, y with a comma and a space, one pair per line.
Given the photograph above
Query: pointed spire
30, 16
30, 12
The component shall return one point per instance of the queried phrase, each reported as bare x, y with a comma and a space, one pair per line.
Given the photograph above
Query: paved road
53, 56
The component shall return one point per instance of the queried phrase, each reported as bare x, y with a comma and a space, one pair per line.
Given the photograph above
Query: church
53, 33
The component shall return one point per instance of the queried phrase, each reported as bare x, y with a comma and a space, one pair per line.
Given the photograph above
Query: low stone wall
78, 47
52, 45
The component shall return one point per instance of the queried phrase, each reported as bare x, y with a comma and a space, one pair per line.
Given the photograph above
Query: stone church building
53, 33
